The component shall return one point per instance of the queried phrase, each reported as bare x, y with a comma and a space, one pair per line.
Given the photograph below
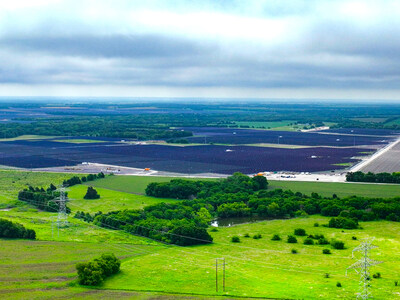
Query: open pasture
266, 268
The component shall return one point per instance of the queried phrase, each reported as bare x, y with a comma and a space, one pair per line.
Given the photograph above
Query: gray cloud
335, 53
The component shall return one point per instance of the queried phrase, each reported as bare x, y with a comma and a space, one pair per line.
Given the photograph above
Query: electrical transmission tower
362, 267
62, 209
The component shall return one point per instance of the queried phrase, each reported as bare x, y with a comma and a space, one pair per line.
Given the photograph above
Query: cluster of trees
91, 193
9, 229
44, 199
185, 222
95, 271
372, 177
189, 189
179, 223
76, 180
341, 222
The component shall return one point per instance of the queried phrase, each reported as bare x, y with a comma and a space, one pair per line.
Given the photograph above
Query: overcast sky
268, 49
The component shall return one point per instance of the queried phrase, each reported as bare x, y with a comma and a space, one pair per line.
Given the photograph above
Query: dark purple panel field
250, 136
364, 131
190, 159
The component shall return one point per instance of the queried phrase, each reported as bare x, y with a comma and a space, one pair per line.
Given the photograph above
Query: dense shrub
291, 239
300, 232
337, 244
294, 251
235, 239
322, 241
257, 236
9, 229
308, 241
341, 222
94, 272
326, 251
246, 235
276, 237
91, 193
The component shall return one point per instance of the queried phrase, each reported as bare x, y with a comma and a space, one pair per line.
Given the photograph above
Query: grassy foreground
44, 269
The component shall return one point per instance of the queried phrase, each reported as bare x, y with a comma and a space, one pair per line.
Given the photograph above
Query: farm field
137, 185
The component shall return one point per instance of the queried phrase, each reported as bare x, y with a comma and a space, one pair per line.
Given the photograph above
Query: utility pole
222, 263
362, 267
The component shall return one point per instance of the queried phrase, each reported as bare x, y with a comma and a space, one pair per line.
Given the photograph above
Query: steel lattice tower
62, 209
362, 267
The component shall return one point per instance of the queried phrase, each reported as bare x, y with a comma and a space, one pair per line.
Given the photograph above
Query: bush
308, 241
377, 275
326, 251
246, 235
337, 244
214, 229
94, 272
345, 223
257, 236
327, 275
300, 232
291, 239
91, 193
316, 224
294, 251
9, 229
338, 284
322, 241
235, 239
354, 238
276, 237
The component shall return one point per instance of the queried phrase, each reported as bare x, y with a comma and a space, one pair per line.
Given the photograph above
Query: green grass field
266, 268
12, 181
44, 269
338, 188
131, 184
78, 141
109, 200
137, 185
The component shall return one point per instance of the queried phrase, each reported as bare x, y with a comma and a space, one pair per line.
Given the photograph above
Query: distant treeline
115, 126
185, 223
372, 177
9, 229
